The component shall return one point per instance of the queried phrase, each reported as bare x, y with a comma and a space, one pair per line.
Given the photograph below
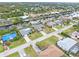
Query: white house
24, 17
75, 14
68, 45
25, 31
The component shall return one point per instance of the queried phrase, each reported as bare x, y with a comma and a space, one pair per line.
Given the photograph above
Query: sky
39, 0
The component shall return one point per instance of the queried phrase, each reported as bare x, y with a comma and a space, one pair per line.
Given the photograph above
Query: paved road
22, 53
27, 38
8, 52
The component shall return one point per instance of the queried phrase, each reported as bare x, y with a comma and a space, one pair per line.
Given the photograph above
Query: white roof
66, 43
75, 14
23, 17
25, 31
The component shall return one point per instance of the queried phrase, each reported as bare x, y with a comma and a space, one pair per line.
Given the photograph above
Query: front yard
34, 35
17, 43
30, 51
43, 44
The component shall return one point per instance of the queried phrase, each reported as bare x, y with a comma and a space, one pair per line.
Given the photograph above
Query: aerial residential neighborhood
39, 29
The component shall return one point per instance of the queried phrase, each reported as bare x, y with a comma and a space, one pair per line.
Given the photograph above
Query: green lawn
46, 42
35, 35
59, 27
1, 48
16, 54
70, 30
17, 43
48, 29
30, 51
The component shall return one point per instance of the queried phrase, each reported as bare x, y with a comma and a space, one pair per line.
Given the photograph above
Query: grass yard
1, 48
70, 30
16, 54
48, 29
35, 35
59, 27
17, 43
46, 42
30, 51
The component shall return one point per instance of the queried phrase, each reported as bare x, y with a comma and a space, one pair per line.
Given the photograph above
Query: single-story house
35, 22
37, 25
75, 35
75, 14
24, 18
51, 51
5, 22
58, 22
69, 45
7, 37
50, 24
25, 31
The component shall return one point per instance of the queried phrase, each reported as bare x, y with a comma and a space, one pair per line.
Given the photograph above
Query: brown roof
51, 51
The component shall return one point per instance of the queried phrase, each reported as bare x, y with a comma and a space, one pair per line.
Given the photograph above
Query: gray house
37, 25
69, 45
26, 31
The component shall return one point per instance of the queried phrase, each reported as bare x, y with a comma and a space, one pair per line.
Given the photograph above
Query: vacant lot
43, 44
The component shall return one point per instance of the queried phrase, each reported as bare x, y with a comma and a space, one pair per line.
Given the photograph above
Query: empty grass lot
35, 35
30, 51
46, 42
16, 54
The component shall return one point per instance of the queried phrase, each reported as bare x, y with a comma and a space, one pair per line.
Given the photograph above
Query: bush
64, 34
